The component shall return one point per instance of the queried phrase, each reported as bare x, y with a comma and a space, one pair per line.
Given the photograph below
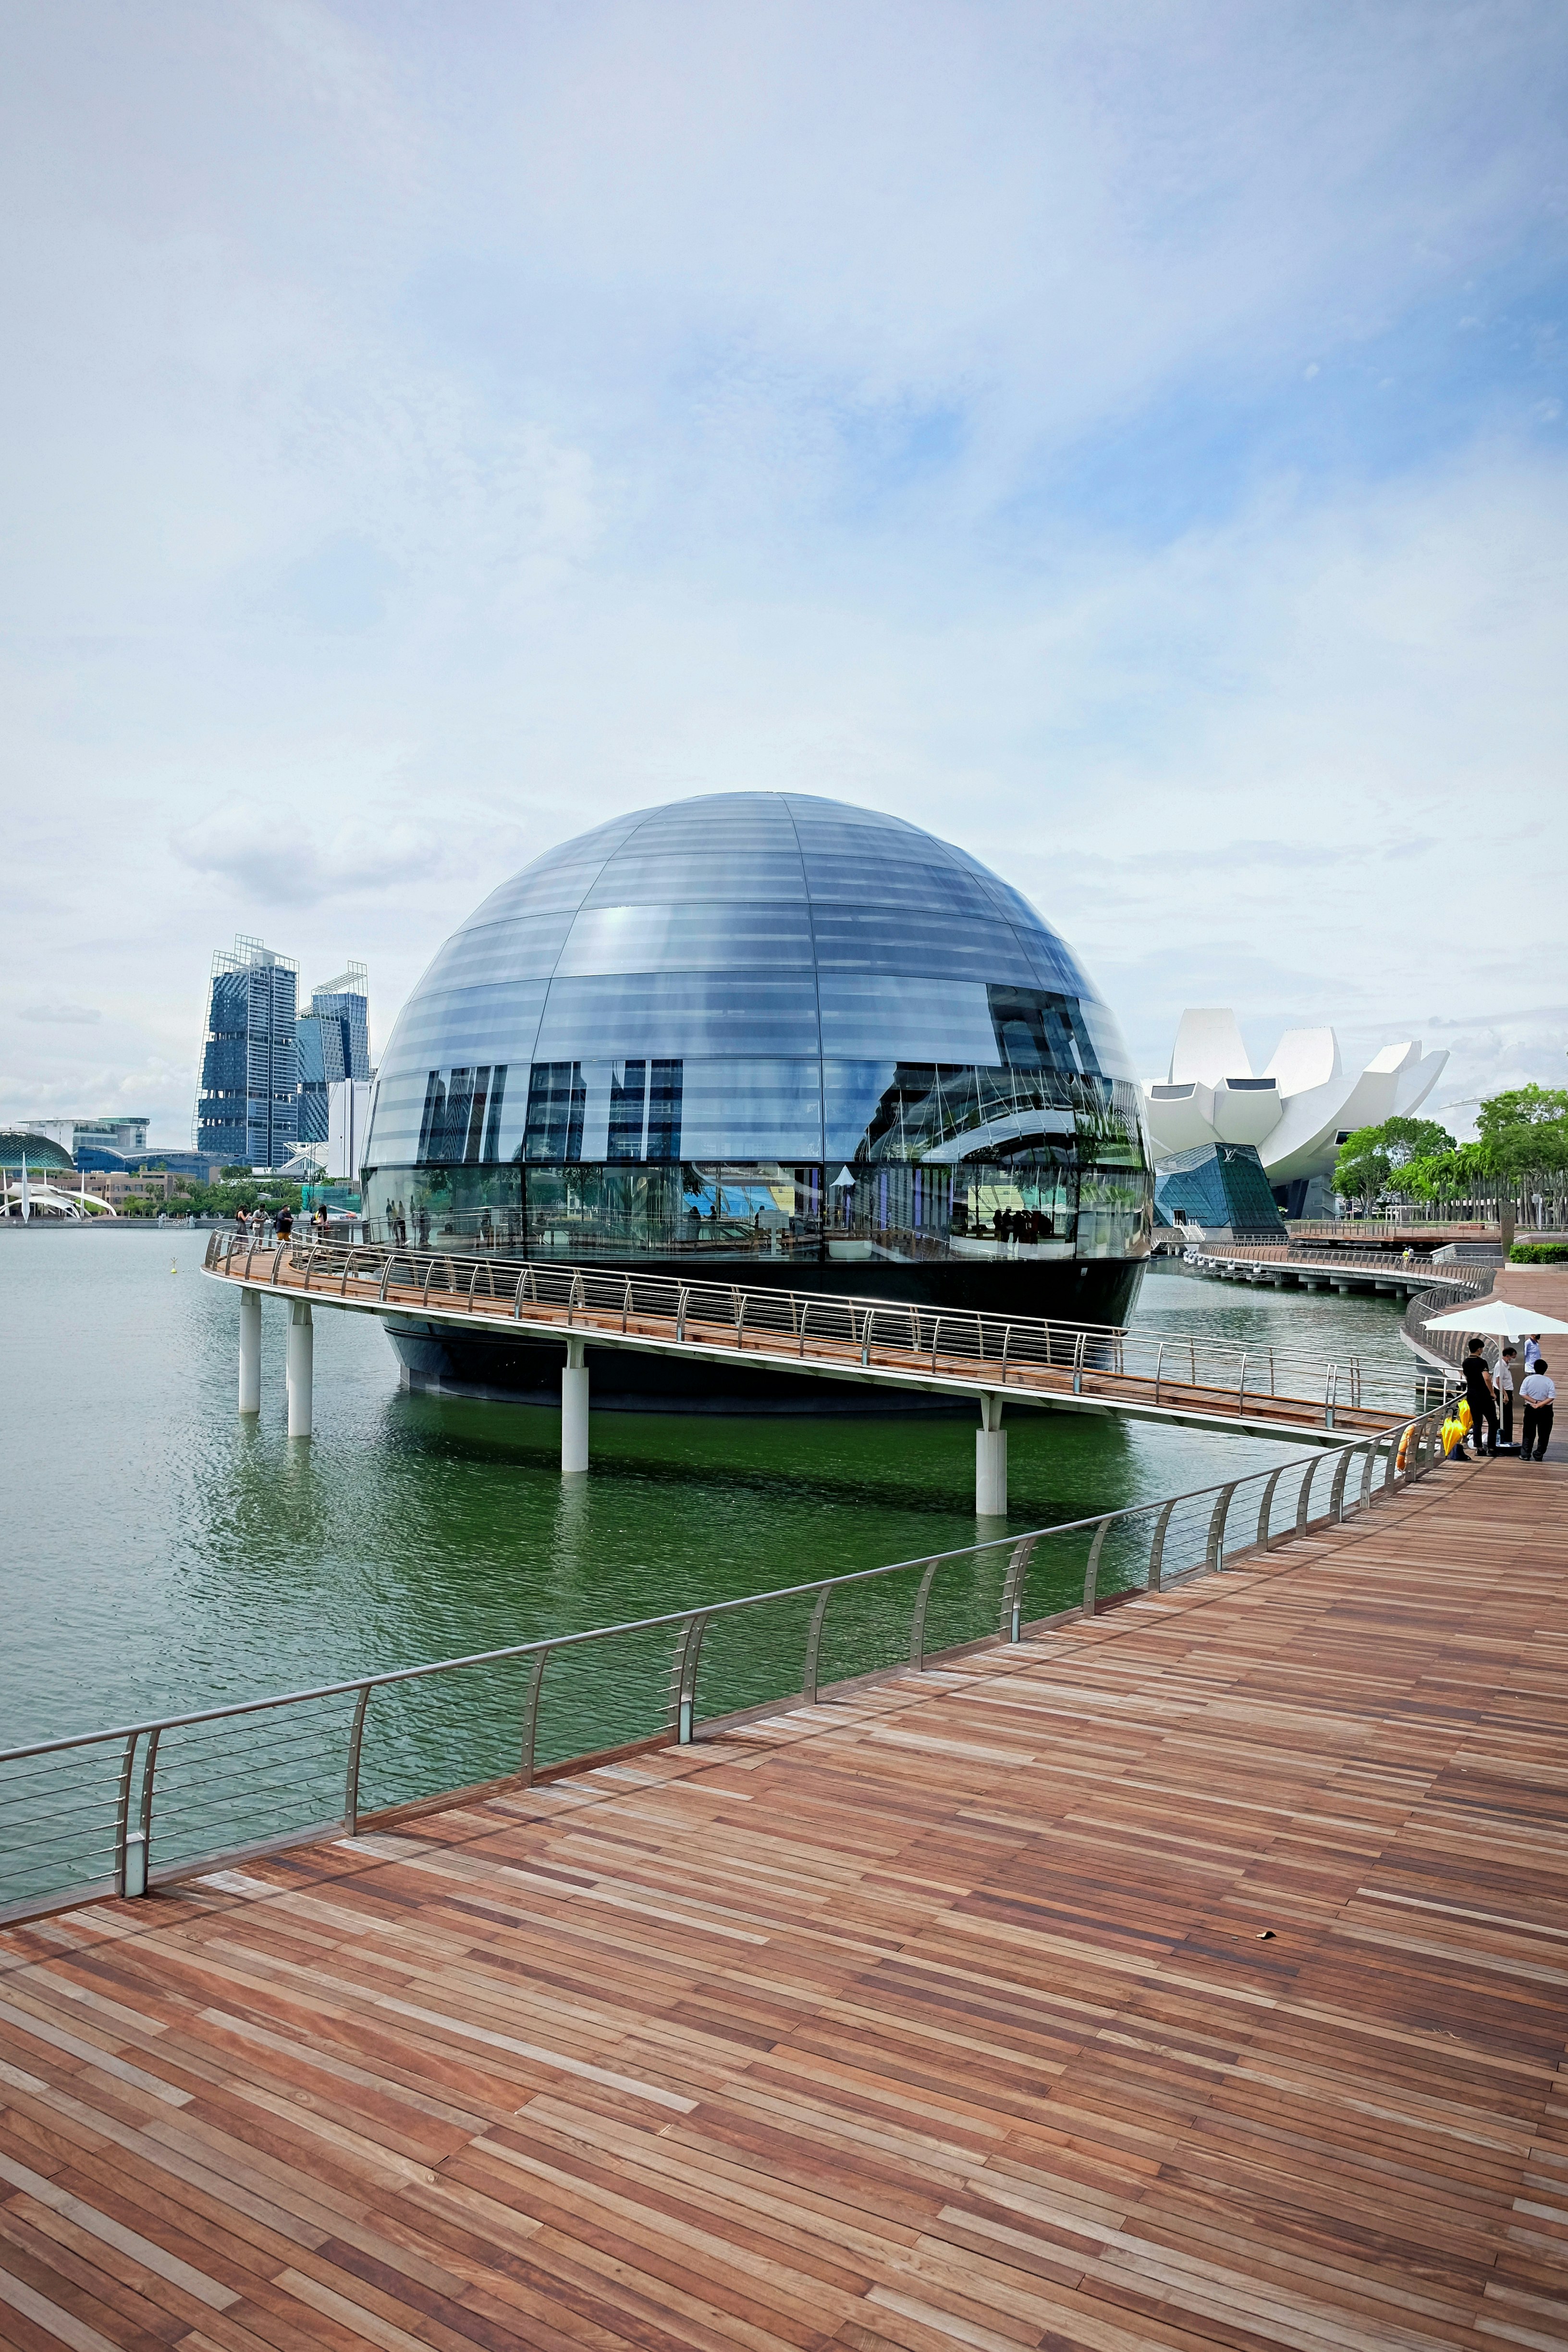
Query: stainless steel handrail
127, 1804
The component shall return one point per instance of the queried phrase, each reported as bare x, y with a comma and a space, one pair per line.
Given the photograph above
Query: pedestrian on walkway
1531, 1350
1479, 1395
1539, 1395
1502, 1381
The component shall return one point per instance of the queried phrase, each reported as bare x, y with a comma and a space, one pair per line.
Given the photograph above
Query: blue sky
1132, 443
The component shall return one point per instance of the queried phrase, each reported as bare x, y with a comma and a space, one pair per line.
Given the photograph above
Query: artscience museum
765, 1037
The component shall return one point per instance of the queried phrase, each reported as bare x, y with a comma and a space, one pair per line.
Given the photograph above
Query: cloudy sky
1133, 442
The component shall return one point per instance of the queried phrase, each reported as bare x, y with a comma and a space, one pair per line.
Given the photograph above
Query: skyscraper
249, 1106
334, 1044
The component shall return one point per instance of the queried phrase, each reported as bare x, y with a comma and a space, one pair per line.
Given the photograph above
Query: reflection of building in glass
249, 1109
781, 1039
333, 1033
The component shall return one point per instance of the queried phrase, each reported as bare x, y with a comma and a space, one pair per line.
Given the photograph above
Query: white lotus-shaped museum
1296, 1112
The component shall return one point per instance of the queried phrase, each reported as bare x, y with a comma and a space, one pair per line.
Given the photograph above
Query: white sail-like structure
1296, 1111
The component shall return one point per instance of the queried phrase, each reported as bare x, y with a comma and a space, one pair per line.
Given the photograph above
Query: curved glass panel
630, 1038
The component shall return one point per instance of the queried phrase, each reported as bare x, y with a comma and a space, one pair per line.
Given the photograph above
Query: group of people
253, 1222
1487, 1389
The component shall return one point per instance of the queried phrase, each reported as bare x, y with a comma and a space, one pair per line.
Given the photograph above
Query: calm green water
162, 1555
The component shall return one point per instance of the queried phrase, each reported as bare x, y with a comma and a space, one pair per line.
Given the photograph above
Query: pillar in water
573, 1411
300, 1367
250, 1351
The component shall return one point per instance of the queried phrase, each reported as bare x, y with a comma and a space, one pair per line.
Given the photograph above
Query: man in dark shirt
1478, 1396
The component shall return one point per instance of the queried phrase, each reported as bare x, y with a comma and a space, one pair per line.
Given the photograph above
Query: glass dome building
767, 1038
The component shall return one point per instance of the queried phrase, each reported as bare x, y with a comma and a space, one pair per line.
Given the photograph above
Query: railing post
1092, 1573
1366, 1475
1013, 1589
686, 1657
1241, 1386
135, 1868
935, 1340
1264, 1508
680, 1316
122, 1812
1336, 1491
1159, 1367
1157, 1546
1215, 1555
814, 1647
918, 1622
536, 1666
1078, 1365
351, 1779
867, 1328
805, 1313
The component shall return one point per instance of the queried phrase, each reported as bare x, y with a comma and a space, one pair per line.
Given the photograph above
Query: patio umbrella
1498, 1319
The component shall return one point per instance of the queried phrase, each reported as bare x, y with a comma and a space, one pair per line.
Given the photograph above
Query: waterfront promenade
1193, 1975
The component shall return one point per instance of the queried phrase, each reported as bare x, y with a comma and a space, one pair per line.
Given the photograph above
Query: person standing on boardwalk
1479, 1395
1539, 1395
1531, 1350
1502, 1381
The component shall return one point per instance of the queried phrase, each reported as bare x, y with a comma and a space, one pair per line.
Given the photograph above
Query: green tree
1369, 1158
1524, 1129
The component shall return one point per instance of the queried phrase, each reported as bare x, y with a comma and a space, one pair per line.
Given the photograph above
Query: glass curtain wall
760, 1026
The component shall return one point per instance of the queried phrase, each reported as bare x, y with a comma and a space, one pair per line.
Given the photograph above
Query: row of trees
236, 1189
1522, 1139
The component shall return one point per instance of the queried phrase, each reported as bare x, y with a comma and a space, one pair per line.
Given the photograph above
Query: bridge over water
992, 1360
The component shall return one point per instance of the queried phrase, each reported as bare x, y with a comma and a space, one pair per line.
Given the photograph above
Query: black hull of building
440, 1360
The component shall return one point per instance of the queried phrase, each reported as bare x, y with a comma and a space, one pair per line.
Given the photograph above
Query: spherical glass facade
769, 1031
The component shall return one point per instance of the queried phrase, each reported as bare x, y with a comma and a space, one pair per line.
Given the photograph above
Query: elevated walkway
991, 1359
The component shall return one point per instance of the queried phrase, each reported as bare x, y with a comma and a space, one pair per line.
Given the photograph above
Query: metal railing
962, 1344
1330, 1262
118, 1811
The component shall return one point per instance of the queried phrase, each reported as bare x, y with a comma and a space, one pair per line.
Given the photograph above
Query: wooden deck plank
1191, 1977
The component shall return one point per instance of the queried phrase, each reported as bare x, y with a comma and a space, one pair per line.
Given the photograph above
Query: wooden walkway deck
1197, 1976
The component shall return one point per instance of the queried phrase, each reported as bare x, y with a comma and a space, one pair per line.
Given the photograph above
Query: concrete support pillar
250, 1351
990, 1461
573, 1411
300, 1367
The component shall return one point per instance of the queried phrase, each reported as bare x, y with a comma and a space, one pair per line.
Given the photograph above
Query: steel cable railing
120, 1810
816, 1328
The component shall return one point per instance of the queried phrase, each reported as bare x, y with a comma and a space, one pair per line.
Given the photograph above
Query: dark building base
440, 1360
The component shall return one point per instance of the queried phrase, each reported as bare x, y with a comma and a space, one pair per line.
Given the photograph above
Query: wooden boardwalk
1196, 1976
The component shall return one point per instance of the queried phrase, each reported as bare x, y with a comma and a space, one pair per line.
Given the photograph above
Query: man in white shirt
1538, 1395
1531, 1350
1502, 1381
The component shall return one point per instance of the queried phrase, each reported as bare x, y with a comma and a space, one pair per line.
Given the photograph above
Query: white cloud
280, 858
55, 1009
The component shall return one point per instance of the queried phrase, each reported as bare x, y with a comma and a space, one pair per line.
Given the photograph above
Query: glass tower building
334, 1044
247, 1110
765, 1037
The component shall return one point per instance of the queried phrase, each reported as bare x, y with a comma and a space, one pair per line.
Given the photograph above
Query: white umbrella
1500, 1318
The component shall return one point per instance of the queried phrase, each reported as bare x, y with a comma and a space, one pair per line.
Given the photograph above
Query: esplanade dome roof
783, 954
17, 1143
